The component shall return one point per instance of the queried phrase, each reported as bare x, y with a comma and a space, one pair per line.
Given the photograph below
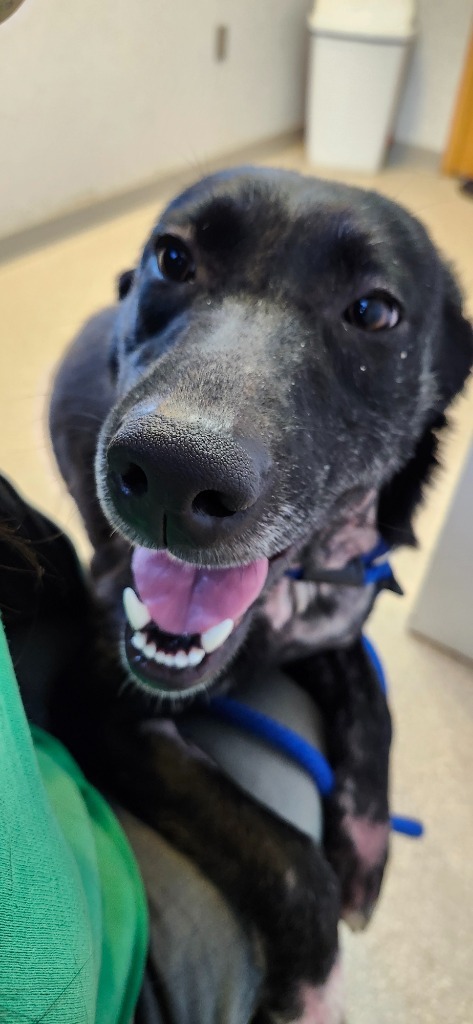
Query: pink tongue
181, 598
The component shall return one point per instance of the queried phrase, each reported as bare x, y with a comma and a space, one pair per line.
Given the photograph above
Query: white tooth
195, 656
181, 660
169, 660
150, 650
160, 657
139, 641
135, 611
216, 636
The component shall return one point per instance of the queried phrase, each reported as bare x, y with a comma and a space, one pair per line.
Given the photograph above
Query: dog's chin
175, 668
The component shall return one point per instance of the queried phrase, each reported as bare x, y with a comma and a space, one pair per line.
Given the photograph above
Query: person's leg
202, 968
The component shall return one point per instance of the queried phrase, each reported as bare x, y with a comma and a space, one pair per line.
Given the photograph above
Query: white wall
443, 611
98, 96
433, 78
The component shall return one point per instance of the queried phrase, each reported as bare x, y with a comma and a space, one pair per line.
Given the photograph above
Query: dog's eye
376, 312
174, 259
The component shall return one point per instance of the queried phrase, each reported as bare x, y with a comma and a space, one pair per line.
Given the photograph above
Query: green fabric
73, 915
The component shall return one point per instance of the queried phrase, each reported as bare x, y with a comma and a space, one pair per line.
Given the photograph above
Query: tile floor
414, 964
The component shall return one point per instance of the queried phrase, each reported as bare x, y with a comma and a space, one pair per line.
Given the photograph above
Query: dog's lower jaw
178, 687
179, 666
298, 618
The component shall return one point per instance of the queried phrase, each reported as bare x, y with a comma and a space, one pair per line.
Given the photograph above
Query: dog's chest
261, 768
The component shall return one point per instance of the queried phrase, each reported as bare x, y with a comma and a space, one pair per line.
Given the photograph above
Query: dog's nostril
211, 503
133, 481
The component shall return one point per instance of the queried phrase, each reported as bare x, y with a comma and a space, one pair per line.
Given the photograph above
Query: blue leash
234, 713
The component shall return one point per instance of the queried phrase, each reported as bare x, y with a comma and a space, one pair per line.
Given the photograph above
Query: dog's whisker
94, 417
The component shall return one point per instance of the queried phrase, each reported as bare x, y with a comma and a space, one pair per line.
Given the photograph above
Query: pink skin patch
370, 843
323, 1004
369, 838
279, 605
183, 598
355, 534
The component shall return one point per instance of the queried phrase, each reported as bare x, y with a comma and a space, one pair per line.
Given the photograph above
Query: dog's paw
370, 843
317, 1004
357, 847
323, 1004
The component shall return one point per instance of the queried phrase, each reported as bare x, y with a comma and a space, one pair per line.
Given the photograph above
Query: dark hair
19, 545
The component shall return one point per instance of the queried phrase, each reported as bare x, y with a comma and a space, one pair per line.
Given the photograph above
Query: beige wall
98, 96
443, 611
432, 81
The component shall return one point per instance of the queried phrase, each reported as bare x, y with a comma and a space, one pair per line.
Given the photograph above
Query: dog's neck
313, 607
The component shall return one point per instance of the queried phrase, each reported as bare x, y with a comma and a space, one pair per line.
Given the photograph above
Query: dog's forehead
276, 218
300, 229
258, 197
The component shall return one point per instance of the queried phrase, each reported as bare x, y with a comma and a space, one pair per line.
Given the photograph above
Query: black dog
266, 395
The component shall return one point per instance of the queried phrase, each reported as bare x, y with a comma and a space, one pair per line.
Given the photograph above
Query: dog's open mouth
180, 616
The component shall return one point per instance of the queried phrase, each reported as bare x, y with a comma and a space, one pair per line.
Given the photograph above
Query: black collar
371, 568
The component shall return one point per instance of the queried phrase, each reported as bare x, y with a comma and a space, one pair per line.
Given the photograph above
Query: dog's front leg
357, 724
277, 881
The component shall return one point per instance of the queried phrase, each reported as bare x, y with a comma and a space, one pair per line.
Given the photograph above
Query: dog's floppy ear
124, 283
452, 363
82, 396
453, 352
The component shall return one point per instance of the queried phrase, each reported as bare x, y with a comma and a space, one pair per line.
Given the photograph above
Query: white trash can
358, 55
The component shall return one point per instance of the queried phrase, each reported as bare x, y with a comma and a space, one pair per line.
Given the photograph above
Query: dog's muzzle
178, 490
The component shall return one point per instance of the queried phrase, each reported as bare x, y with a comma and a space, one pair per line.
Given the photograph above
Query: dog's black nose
178, 477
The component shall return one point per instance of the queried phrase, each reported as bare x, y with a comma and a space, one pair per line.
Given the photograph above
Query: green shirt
73, 915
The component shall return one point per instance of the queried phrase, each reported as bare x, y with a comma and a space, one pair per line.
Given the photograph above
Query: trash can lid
370, 19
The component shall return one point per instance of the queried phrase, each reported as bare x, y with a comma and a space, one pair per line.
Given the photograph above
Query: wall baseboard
159, 189
415, 156
82, 218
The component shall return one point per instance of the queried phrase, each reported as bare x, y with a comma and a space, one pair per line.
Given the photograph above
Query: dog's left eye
376, 312
174, 259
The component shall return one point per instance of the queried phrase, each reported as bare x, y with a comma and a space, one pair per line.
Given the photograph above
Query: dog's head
280, 357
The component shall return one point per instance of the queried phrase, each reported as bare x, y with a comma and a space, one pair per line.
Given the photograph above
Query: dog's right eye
174, 260
376, 312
